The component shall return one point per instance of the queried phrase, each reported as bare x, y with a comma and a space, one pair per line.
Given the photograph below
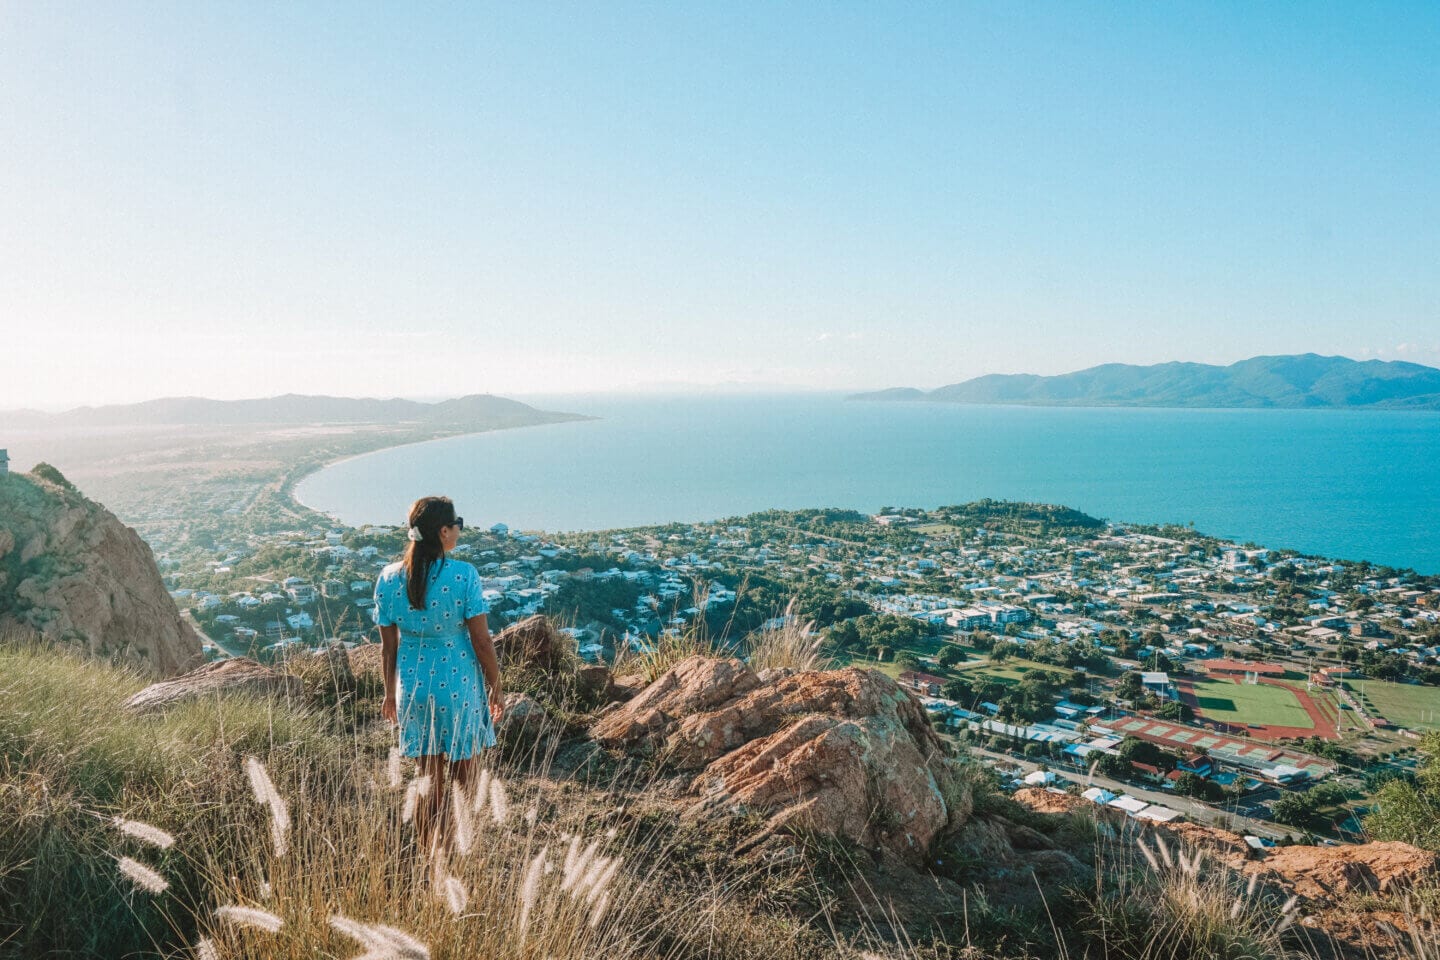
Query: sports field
1242, 704
1403, 704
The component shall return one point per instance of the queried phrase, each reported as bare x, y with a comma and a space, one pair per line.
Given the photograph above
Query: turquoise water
1350, 484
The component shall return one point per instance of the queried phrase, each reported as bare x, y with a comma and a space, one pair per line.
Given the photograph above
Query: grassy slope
71, 759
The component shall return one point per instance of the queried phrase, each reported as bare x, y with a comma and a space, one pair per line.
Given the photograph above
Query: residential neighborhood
1227, 673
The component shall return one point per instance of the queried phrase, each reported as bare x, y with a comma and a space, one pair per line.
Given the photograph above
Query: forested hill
1303, 381
291, 409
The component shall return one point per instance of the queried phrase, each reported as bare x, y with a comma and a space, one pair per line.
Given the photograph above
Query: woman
435, 646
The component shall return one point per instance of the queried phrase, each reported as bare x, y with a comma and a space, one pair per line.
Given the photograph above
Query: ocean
1359, 485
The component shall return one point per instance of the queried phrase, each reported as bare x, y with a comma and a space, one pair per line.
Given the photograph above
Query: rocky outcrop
534, 643
73, 573
1321, 875
845, 753
239, 676
1329, 873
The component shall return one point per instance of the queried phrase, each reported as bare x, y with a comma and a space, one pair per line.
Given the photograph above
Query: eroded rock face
240, 675
1329, 873
845, 752
72, 572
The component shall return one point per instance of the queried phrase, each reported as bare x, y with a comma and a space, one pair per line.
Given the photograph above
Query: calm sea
1349, 484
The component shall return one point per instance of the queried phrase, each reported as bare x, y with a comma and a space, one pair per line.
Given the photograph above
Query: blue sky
247, 199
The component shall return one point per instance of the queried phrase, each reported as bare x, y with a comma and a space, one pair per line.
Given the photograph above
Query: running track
1324, 727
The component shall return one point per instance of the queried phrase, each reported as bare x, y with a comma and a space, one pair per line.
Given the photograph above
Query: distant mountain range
1304, 381
290, 409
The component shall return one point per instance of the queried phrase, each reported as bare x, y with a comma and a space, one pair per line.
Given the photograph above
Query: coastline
1276, 479
300, 472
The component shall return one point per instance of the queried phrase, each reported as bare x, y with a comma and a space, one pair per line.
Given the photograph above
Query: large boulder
73, 573
533, 643
846, 753
693, 687
239, 676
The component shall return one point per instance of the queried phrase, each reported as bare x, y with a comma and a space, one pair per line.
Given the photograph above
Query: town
1153, 669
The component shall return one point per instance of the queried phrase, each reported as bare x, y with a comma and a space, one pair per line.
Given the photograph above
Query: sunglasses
457, 522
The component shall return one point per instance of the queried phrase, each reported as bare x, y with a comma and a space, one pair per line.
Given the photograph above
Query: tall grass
792, 645
325, 863
1157, 900
235, 828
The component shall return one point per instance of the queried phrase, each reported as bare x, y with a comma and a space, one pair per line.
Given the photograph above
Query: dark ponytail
427, 516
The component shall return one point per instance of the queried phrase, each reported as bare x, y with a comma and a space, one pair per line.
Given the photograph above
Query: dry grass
793, 645
237, 828
1160, 901
244, 829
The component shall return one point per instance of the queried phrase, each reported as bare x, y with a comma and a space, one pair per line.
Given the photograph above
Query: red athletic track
1323, 726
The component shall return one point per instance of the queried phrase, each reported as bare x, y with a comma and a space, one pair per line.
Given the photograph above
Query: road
1195, 810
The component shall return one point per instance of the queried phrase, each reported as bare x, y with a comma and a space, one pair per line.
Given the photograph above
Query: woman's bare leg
463, 773
429, 815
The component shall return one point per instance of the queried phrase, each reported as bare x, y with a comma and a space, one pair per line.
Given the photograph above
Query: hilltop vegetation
142, 835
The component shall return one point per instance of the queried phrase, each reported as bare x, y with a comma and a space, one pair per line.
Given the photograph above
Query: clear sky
253, 198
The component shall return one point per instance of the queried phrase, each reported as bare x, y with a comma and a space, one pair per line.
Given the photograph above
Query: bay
1340, 483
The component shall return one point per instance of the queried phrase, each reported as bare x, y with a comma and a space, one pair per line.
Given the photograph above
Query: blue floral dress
441, 700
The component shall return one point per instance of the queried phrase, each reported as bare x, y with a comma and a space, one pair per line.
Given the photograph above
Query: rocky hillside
73, 573
740, 814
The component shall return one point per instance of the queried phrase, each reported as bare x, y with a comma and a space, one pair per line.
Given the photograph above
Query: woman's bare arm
489, 664
389, 652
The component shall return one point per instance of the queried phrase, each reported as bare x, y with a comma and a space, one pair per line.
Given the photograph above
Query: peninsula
189, 469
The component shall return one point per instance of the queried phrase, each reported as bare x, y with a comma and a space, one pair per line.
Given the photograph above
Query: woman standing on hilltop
442, 679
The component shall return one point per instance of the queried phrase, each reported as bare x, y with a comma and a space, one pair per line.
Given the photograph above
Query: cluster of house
1132, 807
1081, 731
522, 581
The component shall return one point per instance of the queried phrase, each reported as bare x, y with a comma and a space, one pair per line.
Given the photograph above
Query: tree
950, 655
909, 660
1410, 811
1001, 652
1143, 751
1175, 710
1113, 766
1301, 809
959, 690
1193, 785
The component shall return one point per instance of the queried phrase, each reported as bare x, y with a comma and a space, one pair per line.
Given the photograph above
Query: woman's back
452, 596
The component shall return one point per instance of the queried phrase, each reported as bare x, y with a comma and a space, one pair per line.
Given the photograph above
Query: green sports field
1403, 704
1244, 703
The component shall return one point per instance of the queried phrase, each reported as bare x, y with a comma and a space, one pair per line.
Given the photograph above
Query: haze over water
1357, 485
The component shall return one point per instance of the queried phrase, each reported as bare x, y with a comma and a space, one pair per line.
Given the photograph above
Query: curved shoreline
716, 464
290, 483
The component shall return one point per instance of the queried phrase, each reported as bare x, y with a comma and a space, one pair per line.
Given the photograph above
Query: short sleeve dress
441, 702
